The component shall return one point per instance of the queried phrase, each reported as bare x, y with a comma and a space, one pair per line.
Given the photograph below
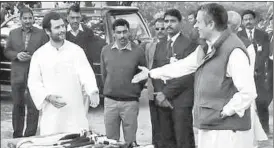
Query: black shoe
134, 144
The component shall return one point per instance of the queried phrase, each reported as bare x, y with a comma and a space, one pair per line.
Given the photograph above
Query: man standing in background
150, 48
83, 36
119, 63
175, 111
22, 43
260, 41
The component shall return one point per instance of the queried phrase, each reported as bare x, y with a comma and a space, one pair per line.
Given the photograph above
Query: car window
137, 27
96, 24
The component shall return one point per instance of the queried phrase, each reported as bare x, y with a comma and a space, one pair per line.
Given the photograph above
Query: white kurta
241, 73
61, 72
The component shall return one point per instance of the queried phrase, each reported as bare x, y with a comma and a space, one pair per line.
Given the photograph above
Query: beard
57, 37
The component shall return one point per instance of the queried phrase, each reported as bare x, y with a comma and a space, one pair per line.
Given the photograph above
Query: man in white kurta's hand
59, 74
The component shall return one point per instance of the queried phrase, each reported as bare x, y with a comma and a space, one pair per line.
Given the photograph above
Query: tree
119, 3
89, 4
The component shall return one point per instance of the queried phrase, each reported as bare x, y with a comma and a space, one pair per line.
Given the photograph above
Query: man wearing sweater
84, 37
119, 63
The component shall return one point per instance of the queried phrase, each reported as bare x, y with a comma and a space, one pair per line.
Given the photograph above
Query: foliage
149, 9
119, 3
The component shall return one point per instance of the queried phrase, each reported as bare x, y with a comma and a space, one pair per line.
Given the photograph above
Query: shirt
66, 74
248, 33
238, 68
26, 36
173, 39
69, 29
128, 46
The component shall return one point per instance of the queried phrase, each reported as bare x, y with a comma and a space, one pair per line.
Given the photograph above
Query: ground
96, 120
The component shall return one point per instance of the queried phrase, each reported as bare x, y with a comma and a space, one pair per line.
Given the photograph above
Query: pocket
210, 113
109, 102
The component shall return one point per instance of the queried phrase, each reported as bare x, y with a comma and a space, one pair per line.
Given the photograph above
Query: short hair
192, 12
217, 13
249, 12
174, 12
159, 20
74, 8
120, 22
25, 10
48, 17
234, 19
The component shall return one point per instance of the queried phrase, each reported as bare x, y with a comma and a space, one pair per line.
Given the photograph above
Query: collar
79, 29
247, 31
210, 43
30, 30
218, 40
127, 47
173, 39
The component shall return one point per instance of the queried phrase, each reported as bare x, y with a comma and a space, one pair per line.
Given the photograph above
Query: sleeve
35, 83
266, 48
9, 52
85, 73
239, 69
102, 66
176, 86
142, 62
177, 69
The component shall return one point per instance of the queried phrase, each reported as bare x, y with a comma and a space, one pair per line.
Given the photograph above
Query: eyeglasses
160, 28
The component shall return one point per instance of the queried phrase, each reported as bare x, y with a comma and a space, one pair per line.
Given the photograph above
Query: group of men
229, 68
59, 76
205, 80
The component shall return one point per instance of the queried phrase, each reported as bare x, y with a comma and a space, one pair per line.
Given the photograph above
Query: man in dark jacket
176, 124
22, 43
260, 40
86, 39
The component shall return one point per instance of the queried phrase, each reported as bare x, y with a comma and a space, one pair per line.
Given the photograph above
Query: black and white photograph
136, 74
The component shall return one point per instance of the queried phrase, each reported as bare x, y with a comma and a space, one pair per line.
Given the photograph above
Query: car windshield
137, 28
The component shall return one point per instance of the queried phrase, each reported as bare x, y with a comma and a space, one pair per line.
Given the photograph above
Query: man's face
58, 30
160, 30
172, 25
121, 34
74, 19
27, 20
191, 19
203, 28
249, 21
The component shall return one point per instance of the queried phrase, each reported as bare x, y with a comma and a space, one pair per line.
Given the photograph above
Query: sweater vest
213, 89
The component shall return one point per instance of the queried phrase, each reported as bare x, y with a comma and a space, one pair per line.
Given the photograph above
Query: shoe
134, 144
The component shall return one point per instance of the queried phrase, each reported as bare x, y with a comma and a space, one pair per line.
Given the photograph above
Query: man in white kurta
60, 74
238, 69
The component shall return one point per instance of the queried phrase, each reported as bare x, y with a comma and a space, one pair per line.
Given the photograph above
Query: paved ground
97, 122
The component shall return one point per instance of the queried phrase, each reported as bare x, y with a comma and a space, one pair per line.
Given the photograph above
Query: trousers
20, 98
176, 127
117, 112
